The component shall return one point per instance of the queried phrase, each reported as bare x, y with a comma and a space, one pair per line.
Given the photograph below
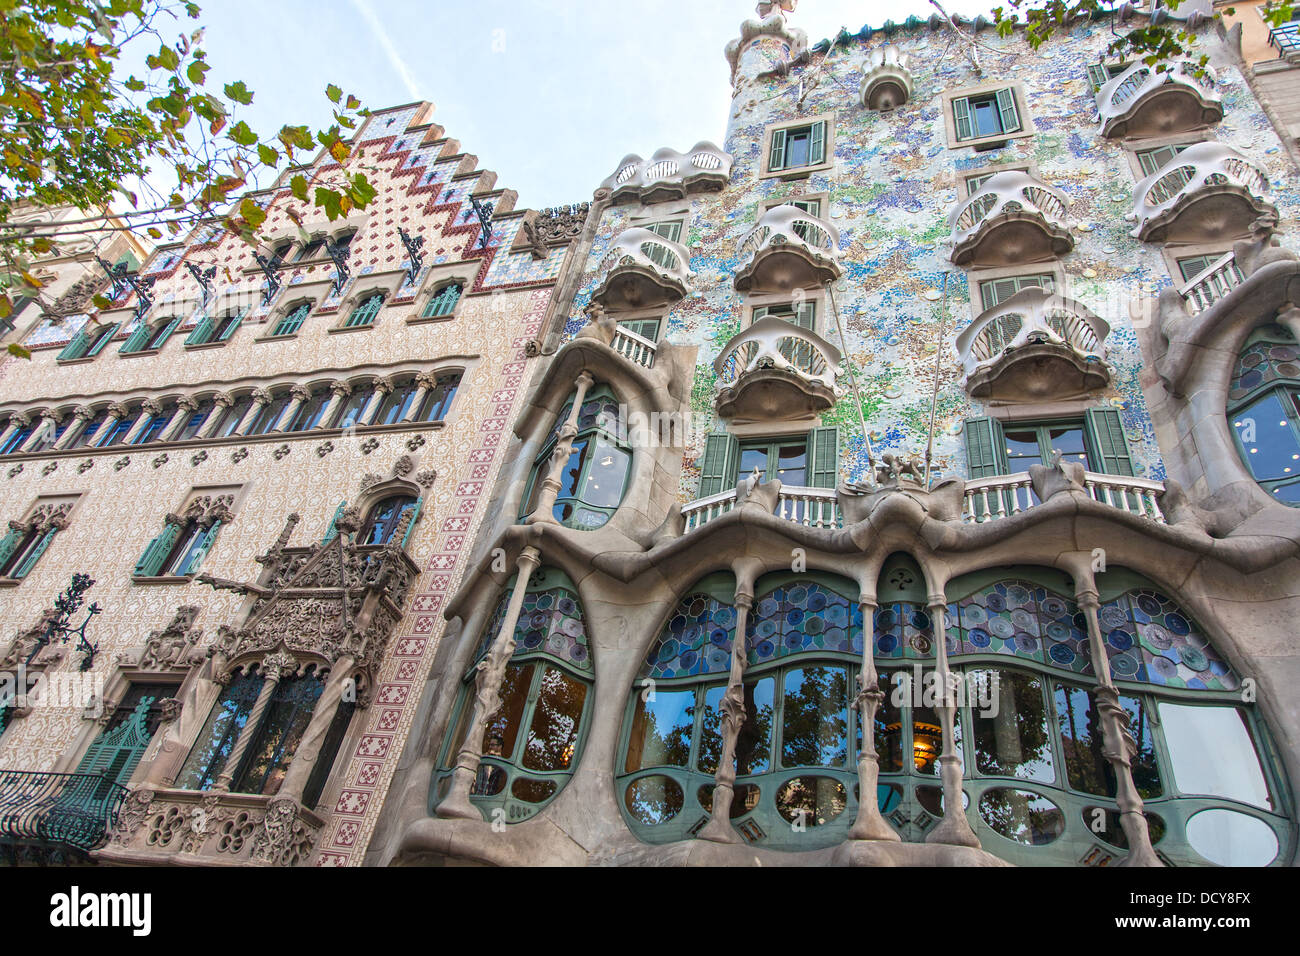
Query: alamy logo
77, 909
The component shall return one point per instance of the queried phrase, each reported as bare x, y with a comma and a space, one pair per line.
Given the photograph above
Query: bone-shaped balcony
1033, 347
669, 174
788, 249
887, 79
776, 371
1143, 102
641, 270
1209, 192
1012, 218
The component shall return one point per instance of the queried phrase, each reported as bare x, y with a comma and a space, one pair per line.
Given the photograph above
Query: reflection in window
217, 738
1013, 741
1192, 732
385, 518
1263, 411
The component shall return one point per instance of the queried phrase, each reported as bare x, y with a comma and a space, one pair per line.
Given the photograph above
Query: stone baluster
954, 828
1118, 745
869, 824
313, 738
560, 455
487, 696
274, 667
80, 416
220, 402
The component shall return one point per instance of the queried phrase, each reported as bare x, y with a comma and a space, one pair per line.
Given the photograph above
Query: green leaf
268, 155
333, 92
196, 70
242, 135
253, 214
238, 92
329, 200
17, 350
101, 301
298, 186
6, 306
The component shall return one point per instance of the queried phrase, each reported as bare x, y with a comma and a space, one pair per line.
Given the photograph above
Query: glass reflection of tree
554, 731
1013, 741
815, 726
1021, 816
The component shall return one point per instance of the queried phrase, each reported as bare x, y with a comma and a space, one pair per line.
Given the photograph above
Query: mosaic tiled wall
893, 184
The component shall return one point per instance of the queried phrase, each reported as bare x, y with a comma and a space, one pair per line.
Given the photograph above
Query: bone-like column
954, 828
869, 824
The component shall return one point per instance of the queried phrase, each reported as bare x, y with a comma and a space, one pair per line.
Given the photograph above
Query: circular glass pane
1229, 838
1022, 816
814, 800
1104, 824
653, 800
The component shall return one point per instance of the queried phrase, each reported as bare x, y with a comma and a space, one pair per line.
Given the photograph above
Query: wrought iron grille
69, 809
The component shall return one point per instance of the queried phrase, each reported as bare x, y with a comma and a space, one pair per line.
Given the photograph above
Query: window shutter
776, 160
1098, 76
824, 457
151, 561
202, 552
167, 332
983, 448
1007, 108
9, 543
1106, 432
103, 340
817, 144
199, 334
718, 464
806, 316
961, 117
34, 555
117, 752
233, 326
415, 516
75, 348
135, 341
332, 531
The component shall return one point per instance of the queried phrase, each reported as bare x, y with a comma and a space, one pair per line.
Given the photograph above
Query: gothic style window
232, 416
85, 437
117, 751
309, 412
121, 428
312, 250
443, 302
208, 756
50, 436
1264, 411
533, 741
15, 442
266, 418
365, 312
195, 420
350, 412
155, 425
185, 540
292, 320
396, 403
89, 341
24, 543
594, 479
386, 516
438, 399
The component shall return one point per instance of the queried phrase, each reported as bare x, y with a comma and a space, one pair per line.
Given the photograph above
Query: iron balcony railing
1286, 37
69, 809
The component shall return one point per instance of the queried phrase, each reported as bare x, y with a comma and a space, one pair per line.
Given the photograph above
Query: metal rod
934, 397
853, 378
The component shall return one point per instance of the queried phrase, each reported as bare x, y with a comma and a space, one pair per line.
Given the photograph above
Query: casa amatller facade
909, 477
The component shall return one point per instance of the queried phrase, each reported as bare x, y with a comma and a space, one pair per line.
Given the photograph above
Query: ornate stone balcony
788, 249
886, 79
988, 499
641, 270
1206, 193
1143, 102
774, 370
1212, 284
810, 507
1034, 346
633, 347
1012, 218
669, 174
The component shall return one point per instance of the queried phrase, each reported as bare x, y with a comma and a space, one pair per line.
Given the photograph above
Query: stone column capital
261, 396
187, 403
299, 393
83, 413
223, 400
340, 389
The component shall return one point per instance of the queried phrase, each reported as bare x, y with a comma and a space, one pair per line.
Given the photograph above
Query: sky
550, 94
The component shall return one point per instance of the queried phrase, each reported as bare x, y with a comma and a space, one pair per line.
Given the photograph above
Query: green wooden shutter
75, 348
34, 555
961, 116
1098, 75
1010, 115
117, 752
156, 553
167, 332
135, 341
233, 326
776, 159
718, 464
985, 448
332, 531
103, 340
415, 516
199, 334
1106, 435
209, 538
9, 543
806, 316
824, 457
817, 144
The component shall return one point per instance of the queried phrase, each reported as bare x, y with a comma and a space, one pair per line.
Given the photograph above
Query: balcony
1207, 193
1011, 219
988, 499
809, 507
788, 249
1286, 39
886, 79
1143, 102
776, 371
74, 810
642, 270
1212, 284
633, 347
1033, 347
669, 175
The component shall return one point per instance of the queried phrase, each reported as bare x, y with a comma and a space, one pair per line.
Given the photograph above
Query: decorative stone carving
121, 463
426, 478
198, 457
16, 470
280, 452
669, 174
239, 455
174, 647
886, 79
85, 466
27, 642
415, 442
556, 226
403, 466
369, 445
324, 448
49, 469
160, 460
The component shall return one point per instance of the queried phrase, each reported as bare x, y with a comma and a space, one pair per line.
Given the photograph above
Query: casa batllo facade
960, 379
270, 460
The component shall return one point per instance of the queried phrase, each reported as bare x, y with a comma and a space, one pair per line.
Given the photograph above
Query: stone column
1118, 744
487, 696
719, 828
115, 414
148, 408
15, 422
869, 825
383, 386
80, 416
298, 394
185, 407
560, 456
273, 668
338, 392
261, 398
313, 738
48, 423
220, 402
425, 382
954, 828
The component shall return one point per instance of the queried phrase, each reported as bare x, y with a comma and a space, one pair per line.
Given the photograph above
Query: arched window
595, 476
232, 416
533, 742
14, 443
86, 436
386, 516
154, 427
438, 399
350, 411
117, 434
292, 320
365, 312
443, 302
268, 415
309, 412
396, 403
195, 420
1264, 411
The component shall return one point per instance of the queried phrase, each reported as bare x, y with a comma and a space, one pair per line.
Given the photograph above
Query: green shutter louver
961, 118
806, 316
103, 340
156, 553
117, 752
34, 555
776, 159
817, 144
135, 341
9, 543
76, 348
332, 531
230, 330
1106, 434
1007, 109
167, 332
1098, 75
718, 464
199, 334
983, 448
824, 457
415, 516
